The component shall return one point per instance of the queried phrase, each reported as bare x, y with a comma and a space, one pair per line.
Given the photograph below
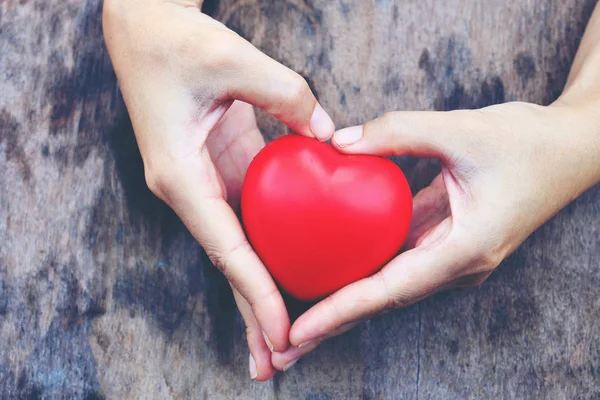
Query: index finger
226, 245
216, 227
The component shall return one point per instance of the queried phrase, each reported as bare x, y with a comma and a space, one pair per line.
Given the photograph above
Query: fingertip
283, 361
265, 377
276, 337
321, 124
280, 342
260, 371
275, 323
315, 323
259, 360
276, 340
279, 360
346, 137
252, 366
299, 336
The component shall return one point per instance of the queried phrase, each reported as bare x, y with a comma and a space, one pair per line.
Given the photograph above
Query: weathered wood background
103, 294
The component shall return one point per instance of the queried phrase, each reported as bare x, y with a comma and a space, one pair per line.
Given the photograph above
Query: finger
226, 245
407, 279
263, 82
422, 134
259, 363
430, 207
287, 359
216, 227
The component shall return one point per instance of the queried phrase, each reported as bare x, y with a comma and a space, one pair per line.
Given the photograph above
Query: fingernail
290, 364
268, 342
347, 136
321, 124
252, 367
308, 343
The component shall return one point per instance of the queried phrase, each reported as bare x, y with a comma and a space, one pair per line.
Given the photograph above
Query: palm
232, 145
431, 207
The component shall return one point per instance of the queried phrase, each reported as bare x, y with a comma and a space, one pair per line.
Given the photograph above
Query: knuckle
393, 299
389, 126
294, 94
223, 259
388, 121
260, 298
213, 56
397, 300
223, 57
220, 260
389, 117
296, 90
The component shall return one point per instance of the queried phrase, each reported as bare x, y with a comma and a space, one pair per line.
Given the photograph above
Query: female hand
507, 169
189, 84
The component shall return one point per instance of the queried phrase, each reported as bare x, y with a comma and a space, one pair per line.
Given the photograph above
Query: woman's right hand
189, 84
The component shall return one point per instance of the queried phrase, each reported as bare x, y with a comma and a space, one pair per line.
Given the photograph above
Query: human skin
189, 84
507, 169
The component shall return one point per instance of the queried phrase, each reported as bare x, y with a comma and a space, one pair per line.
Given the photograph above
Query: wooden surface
103, 294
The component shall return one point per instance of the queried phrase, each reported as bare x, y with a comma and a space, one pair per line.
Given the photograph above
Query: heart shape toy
320, 220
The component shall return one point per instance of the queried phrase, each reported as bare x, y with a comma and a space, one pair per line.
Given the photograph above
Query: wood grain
103, 293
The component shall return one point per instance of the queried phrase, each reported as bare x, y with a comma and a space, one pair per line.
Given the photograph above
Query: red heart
319, 219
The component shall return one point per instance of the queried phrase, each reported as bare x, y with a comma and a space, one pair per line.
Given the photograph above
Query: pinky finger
259, 359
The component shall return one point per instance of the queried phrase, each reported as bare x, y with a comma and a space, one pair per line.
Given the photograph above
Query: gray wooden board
103, 293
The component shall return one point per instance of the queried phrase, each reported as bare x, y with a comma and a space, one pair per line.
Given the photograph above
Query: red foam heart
320, 220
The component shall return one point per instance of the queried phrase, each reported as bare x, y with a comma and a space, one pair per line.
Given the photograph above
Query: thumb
281, 92
407, 279
422, 134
